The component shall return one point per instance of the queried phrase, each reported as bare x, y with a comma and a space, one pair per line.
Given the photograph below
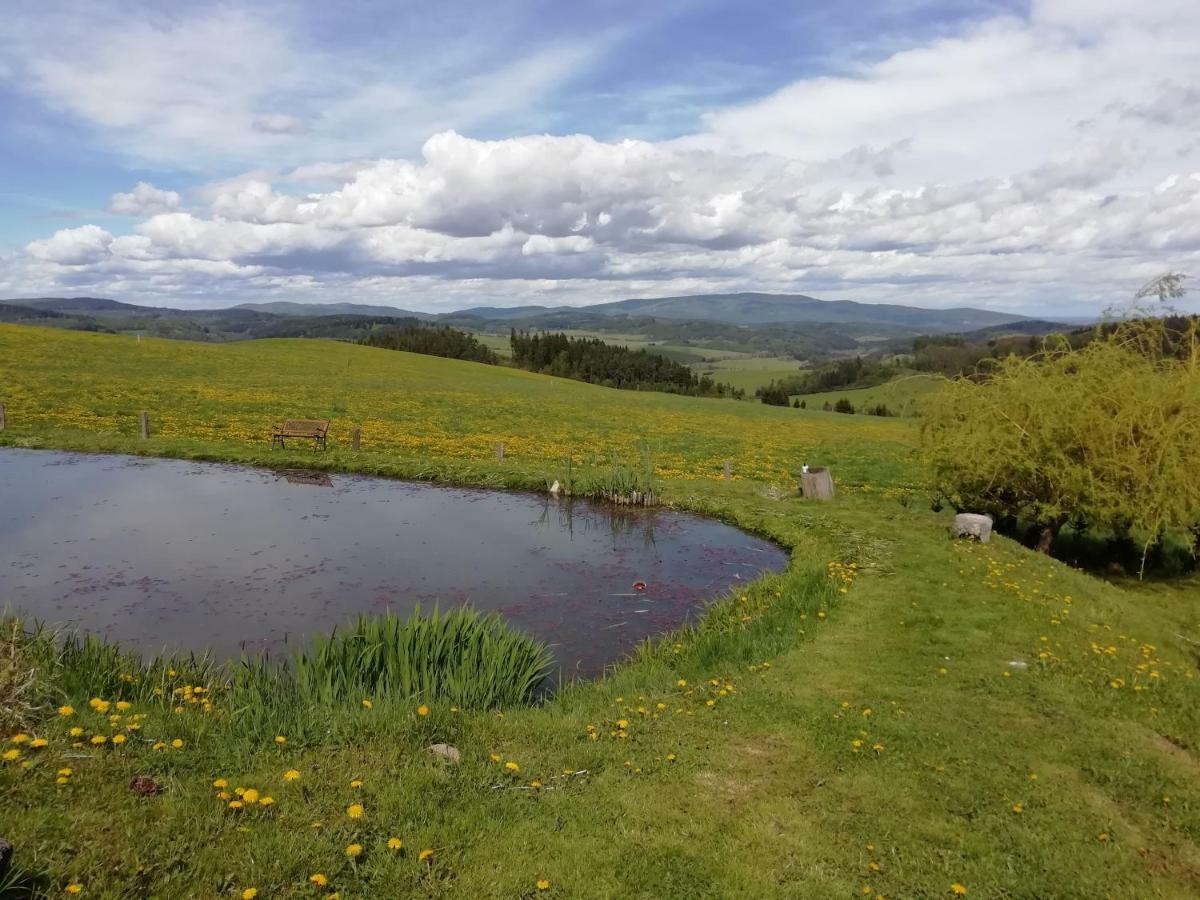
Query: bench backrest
305, 427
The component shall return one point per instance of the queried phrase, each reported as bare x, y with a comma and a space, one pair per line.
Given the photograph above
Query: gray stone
972, 525
445, 753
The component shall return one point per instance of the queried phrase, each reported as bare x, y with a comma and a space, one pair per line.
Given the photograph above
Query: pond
168, 554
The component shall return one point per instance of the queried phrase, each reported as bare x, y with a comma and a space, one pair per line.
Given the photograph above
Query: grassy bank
894, 716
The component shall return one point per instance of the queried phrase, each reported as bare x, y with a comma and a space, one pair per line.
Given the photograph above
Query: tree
1108, 433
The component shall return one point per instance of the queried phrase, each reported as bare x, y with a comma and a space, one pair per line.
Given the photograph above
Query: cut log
972, 525
817, 484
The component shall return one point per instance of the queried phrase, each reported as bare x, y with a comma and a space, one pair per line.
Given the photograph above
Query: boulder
445, 753
972, 525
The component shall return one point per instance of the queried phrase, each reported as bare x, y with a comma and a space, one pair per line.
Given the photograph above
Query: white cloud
1047, 163
144, 200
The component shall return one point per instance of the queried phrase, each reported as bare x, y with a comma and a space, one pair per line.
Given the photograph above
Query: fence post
727, 472
355, 439
2, 420
144, 422
500, 452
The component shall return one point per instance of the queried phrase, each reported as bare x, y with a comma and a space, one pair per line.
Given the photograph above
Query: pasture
896, 715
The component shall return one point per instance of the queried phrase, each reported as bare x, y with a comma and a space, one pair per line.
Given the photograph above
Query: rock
972, 525
445, 753
144, 785
6, 852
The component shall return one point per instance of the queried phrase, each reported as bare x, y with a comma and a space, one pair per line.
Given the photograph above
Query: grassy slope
902, 396
767, 795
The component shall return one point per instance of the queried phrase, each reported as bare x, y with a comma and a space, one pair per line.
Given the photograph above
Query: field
902, 396
897, 715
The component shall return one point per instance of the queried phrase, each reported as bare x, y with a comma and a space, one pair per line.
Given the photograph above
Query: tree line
432, 340
594, 361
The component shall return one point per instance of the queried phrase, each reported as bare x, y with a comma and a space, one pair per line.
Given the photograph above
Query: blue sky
1023, 156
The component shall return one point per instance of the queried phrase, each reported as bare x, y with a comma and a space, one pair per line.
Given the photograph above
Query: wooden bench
311, 429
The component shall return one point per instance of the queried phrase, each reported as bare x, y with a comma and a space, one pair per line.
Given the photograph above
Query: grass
896, 712
902, 395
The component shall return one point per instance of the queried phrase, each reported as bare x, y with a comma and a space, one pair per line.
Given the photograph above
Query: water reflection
185, 555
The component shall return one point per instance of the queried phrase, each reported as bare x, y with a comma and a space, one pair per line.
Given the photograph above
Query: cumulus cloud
145, 199
949, 173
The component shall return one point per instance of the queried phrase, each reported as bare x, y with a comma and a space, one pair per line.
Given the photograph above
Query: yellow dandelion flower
394, 843
494, 757
367, 704
267, 801
682, 682
76, 732
543, 884
159, 745
123, 705
19, 738
118, 739
422, 710
177, 743
512, 766
535, 784
99, 739
38, 743
355, 810
249, 893
11, 755
958, 889
250, 796
74, 888
220, 784
236, 804
356, 783
318, 879
424, 855
291, 775
66, 710
354, 850
66, 772
280, 739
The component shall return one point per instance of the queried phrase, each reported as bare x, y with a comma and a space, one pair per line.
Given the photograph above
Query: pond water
167, 554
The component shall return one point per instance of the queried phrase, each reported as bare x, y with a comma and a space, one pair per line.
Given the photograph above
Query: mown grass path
897, 715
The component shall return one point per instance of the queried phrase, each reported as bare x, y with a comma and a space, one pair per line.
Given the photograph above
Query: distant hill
763, 309
74, 304
290, 308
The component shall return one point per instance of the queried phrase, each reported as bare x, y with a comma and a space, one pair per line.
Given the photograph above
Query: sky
1032, 156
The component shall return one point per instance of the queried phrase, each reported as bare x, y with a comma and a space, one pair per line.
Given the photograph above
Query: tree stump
816, 484
972, 525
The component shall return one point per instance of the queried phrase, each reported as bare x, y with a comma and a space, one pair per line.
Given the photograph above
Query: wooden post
355, 439
817, 484
2, 420
500, 453
144, 422
727, 473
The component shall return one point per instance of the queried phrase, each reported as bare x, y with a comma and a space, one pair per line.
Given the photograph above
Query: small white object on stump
972, 525
816, 483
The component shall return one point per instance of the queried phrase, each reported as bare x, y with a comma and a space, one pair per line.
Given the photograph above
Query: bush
844, 406
1107, 433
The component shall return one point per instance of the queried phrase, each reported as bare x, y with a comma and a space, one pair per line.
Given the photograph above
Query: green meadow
897, 715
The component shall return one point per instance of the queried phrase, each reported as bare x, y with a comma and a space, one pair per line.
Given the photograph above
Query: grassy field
897, 715
902, 396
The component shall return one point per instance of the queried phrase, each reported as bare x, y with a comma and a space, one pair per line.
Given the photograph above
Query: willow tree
1108, 434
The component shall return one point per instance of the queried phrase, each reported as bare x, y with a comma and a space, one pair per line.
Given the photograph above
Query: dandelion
38, 743
118, 739
236, 804
682, 682
249, 893
422, 710
123, 705
177, 744
158, 746
354, 810
512, 766
76, 731
267, 801
66, 710
291, 775
367, 704
354, 850
356, 783
671, 757
1018, 808
394, 843
19, 738
543, 884
250, 796
74, 888
318, 879
65, 773
98, 739
220, 784
494, 757
958, 889
280, 739
424, 855
11, 755
535, 784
